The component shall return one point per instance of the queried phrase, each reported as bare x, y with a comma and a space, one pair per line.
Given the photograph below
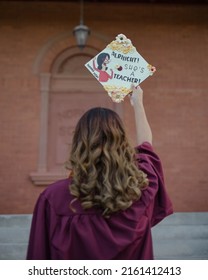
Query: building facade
44, 88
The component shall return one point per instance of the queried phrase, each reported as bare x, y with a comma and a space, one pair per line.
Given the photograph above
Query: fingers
131, 99
137, 87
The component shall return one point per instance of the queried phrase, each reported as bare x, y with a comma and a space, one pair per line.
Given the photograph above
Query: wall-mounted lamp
81, 31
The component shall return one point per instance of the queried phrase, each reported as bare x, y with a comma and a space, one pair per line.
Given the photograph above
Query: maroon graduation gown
58, 233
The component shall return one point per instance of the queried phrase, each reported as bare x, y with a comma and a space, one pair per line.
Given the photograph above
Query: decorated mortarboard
119, 66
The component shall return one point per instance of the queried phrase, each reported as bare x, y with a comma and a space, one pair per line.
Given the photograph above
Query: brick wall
173, 38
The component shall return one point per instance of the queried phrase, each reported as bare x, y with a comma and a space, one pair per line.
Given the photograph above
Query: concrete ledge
15, 220
186, 249
181, 236
186, 218
13, 251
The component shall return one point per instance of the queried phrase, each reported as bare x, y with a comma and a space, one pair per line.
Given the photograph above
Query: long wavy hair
104, 171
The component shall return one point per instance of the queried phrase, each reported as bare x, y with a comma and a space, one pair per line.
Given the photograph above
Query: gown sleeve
155, 196
39, 239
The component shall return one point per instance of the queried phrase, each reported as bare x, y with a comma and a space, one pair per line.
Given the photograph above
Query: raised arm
143, 130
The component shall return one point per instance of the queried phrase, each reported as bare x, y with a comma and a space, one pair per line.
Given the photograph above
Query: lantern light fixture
81, 31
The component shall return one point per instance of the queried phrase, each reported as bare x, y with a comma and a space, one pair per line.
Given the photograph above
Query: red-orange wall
173, 38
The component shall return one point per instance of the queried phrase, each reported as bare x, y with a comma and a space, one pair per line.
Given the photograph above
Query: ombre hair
104, 170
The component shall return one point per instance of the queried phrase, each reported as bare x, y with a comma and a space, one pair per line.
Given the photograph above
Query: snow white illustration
102, 60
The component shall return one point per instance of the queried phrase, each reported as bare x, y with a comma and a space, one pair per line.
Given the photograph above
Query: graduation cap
119, 66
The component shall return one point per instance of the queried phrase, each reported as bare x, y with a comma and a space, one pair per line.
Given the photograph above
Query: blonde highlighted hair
105, 174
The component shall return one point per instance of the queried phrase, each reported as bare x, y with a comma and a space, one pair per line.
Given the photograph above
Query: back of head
104, 171
98, 128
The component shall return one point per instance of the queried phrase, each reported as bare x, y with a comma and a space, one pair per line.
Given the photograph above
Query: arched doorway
67, 91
